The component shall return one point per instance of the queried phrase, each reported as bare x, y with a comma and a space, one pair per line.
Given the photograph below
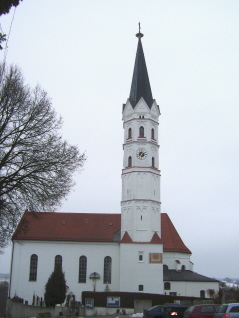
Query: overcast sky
82, 53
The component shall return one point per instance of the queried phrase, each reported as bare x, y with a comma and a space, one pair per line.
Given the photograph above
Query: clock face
141, 154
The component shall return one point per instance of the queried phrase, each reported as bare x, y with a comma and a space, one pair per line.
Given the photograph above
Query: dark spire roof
140, 86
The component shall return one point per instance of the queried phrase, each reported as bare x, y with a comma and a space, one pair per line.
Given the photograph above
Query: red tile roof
89, 227
156, 239
126, 238
170, 237
79, 227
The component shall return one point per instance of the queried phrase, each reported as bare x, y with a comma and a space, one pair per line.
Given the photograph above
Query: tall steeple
140, 204
140, 86
141, 247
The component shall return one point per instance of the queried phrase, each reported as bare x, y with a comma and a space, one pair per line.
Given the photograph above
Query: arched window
58, 260
152, 133
33, 268
82, 269
141, 131
183, 267
130, 133
107, 270
153, 162
202, 293
167, 286
165, 267
130, 161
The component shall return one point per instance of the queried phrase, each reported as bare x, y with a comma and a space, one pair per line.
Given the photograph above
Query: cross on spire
139, 35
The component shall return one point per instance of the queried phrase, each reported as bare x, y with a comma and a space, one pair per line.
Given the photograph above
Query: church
138, 250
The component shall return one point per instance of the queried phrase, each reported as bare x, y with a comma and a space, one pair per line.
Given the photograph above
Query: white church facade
138, 250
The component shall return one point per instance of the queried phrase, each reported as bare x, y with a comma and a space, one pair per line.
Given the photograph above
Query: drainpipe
10, 278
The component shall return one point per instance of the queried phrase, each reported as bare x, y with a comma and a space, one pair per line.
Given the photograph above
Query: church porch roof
185, 276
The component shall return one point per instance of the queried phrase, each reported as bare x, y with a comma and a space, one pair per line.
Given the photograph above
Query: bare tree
2, 39
6, 5
36, 164
211, 293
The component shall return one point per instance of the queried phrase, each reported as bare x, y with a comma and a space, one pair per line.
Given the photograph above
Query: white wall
192, 288
141, 219
127, 271
70, 252
140, 207
134, 272
169, 259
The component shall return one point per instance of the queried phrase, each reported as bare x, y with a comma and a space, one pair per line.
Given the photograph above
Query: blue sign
113, 301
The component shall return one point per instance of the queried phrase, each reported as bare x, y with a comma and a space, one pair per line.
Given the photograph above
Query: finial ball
139, 35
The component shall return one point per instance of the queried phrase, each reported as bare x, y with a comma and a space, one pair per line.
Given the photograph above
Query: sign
113, 302
89, 303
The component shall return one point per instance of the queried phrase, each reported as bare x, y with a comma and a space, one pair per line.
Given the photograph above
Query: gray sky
82, 53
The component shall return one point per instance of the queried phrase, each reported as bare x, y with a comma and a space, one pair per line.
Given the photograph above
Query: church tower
141, 245
141, 175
